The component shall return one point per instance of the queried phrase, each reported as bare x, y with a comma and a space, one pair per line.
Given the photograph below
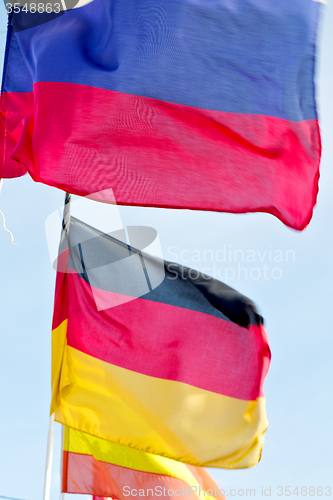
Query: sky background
297, 309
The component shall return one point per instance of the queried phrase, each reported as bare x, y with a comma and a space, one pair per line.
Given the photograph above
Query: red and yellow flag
97, 467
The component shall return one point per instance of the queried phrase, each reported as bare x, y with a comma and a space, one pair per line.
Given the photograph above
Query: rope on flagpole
4, 225
48, 463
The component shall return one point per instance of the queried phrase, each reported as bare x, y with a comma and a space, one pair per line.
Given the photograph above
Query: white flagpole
48, 463
62, 459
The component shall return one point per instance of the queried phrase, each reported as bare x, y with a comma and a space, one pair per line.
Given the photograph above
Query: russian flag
192, 104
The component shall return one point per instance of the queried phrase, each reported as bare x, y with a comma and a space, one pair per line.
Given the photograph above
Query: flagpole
65, 226
62, 460
48, 463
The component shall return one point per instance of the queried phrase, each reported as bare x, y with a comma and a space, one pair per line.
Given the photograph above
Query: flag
184, 104
172, 366
97, 467
15, 105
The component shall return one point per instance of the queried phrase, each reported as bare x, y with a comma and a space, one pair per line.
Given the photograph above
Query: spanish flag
97, 467
177, 371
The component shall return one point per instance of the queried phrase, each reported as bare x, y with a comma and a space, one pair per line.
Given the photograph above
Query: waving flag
97, 467
197, 104
177, 371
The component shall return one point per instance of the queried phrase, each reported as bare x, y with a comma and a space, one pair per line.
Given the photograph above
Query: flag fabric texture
97, 467
177, 371
190, 104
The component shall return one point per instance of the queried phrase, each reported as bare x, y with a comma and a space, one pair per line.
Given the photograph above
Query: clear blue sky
297, 308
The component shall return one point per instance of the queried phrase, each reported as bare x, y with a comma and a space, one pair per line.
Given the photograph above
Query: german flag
97, 467
177, 372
